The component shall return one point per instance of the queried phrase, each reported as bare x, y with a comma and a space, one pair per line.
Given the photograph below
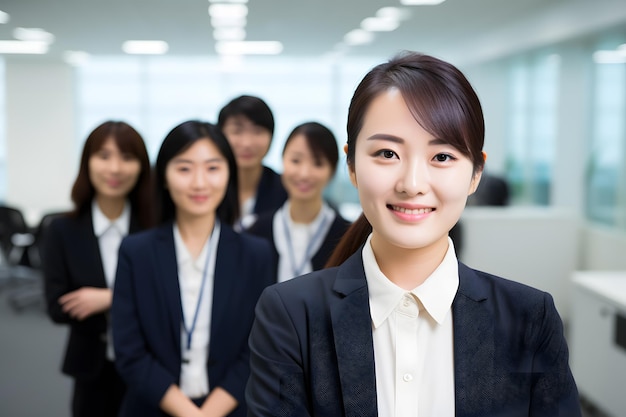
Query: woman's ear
477, 176
350, 167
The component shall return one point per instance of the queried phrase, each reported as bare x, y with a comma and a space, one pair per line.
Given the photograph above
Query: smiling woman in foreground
399, 327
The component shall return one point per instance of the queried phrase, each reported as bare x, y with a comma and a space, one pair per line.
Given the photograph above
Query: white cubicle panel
535, 246
597, 338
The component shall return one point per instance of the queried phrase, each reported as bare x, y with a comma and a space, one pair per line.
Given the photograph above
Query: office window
3, 133
532, 127
606, 173
156, 93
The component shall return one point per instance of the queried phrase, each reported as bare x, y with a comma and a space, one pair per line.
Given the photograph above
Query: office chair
31, 292
15, 238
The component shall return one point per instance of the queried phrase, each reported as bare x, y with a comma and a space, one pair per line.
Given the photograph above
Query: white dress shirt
297, 243
194, 379
413, 340
109, 234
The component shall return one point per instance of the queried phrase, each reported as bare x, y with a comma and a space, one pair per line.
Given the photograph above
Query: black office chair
31, 291
15, 239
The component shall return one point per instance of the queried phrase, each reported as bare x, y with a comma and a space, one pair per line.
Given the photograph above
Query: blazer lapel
227, 264
167, 272
90, 242
473, 345
352, 330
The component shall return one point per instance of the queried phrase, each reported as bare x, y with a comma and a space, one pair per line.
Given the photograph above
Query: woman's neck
408, 268
249, 179
302, 211
112, 208
195, 231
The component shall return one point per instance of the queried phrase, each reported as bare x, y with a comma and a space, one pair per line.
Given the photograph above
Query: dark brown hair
320, 140
177, 141
441, 100
129, 141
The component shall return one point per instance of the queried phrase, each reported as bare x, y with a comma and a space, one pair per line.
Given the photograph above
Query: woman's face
250, 142
197, 179
112, 172
412, 186
304, 176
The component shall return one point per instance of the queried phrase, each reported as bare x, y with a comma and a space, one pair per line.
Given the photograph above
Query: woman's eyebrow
383, 136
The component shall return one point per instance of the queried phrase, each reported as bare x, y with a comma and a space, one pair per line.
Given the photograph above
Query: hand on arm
177, 404
219, 403
86, 301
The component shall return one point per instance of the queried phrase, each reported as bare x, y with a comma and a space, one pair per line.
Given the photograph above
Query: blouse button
407, 377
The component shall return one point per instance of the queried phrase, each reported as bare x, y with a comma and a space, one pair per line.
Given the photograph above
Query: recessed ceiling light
224, 10
219, 22
229, 34
421, 2
396, 13
228, 1
33, 34
145, 47
23, 47
358, 37
4, 17
248, 47
379, 24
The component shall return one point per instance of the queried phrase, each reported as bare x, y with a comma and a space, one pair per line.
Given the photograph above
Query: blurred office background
551, 75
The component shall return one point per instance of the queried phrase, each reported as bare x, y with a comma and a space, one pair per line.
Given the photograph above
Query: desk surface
610, 285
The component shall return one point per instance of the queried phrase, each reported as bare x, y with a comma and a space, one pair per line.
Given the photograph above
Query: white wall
41, 145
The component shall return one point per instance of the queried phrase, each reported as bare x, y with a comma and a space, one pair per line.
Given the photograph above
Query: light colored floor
31, 350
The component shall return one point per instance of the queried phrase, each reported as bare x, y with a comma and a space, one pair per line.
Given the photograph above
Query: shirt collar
182, 253
435, 294
102, 223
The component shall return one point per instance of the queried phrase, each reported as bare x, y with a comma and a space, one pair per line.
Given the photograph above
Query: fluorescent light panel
33, 34
421, 2
358, 37
4, 17
220, 22
228, 1
378, 24
248, 47
229, 34
145, 47
233, 11
23, 47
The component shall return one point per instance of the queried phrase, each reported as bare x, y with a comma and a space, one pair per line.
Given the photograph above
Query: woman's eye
387, 154
442, 157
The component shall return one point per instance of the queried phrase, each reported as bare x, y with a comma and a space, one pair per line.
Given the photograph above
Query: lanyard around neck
189, 331
297, 269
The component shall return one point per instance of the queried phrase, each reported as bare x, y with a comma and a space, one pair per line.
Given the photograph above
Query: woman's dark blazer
147, 315
264, 227
71, 260
270, 193
312, 352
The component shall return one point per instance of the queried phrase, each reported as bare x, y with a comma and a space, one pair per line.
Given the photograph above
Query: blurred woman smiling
305, 230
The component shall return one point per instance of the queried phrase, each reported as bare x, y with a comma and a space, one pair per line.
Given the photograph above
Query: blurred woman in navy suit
112, 197
305, 229
185, 291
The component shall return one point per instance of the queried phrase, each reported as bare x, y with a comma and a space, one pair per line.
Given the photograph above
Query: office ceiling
461, 30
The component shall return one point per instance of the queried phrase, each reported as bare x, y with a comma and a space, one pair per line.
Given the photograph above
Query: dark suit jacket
264, 227
270, 193
311, 349
71, 260
147, 315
